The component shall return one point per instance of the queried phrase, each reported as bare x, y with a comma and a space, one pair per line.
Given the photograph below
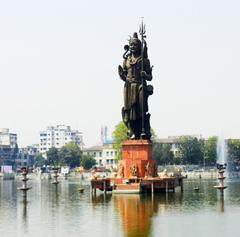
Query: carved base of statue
136, 160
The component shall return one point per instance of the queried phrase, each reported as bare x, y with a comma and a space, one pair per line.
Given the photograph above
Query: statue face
134, 46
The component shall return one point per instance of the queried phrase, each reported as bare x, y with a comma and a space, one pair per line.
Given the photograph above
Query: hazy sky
58, 65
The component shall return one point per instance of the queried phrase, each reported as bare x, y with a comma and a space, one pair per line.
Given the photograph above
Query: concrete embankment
209, 174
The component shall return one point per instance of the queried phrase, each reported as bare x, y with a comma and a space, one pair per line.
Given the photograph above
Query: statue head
135, 43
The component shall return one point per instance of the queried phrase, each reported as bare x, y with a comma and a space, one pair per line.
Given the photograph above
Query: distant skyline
59, 59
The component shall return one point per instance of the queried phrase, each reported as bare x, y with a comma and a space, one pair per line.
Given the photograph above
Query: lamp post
55, 176
24, 187
221, 169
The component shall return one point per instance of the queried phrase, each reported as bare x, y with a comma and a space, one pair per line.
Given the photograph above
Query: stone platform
137, 172
139, 185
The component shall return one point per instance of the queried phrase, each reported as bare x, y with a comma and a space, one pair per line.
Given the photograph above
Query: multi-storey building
58, 136
7, 138
105, 155
26, 156
8, 147
6, 155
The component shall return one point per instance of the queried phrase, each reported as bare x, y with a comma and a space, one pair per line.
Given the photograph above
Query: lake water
63, 211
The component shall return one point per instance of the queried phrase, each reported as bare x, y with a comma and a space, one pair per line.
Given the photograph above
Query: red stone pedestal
137, 172
136, 160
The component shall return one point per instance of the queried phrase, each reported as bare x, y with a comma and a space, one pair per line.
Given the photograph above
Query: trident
142, 32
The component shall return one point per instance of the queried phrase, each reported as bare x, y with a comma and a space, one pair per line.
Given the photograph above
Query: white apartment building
7, 138
104, 155
58, 136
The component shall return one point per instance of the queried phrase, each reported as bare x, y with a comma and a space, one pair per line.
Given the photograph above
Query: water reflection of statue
136, 70
136, 214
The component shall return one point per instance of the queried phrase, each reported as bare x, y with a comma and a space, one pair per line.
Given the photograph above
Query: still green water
63, 211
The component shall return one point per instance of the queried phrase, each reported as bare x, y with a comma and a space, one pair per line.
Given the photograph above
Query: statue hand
120, 70
143, 74
121, 73
146, 76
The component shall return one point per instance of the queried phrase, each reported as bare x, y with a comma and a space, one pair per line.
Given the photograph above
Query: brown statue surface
134, 170
151, 170
120, 171
135, 72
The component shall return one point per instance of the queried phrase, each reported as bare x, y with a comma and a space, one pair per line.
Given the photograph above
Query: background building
105, 155
7, 138
8, 155
175, 141
58, 136
8, 147
26, 156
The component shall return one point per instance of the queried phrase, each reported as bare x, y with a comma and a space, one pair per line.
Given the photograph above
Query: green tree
40, 160
233, 146
70, 155
210, 151
191, 151
87, 161
53, 157
119, 135
162, 154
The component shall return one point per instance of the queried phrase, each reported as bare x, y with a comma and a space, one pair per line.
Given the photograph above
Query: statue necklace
133, 60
